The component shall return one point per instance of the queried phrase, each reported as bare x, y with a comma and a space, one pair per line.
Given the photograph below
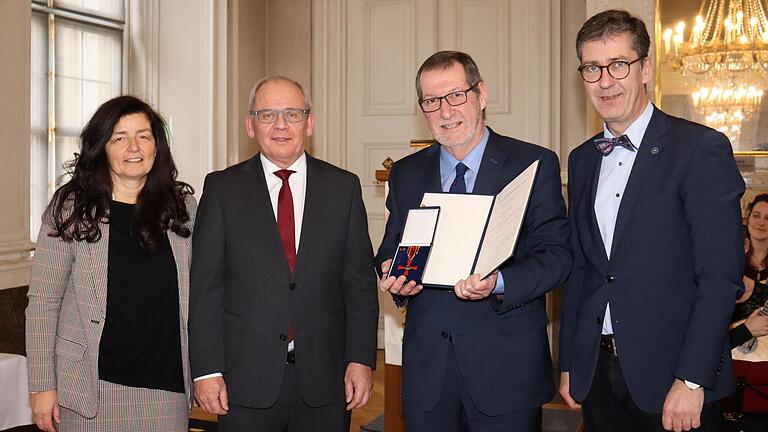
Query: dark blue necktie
458, 185
606, 145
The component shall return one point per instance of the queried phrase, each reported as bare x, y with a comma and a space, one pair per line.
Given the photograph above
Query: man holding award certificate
478, 235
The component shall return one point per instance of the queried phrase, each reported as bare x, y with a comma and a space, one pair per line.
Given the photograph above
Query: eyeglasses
456, 98
290, 115
619, 69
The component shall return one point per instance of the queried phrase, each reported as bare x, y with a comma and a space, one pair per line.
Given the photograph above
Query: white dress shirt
298, 183
614, 174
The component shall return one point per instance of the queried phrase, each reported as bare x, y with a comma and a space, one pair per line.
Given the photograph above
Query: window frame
51, 11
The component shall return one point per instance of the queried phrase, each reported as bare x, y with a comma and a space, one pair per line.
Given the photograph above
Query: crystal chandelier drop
743, 99
730, 44
726, 122
725, 109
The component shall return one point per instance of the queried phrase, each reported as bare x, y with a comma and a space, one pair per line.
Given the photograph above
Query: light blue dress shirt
472, 161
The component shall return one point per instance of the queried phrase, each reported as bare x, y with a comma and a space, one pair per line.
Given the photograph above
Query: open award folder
453, 236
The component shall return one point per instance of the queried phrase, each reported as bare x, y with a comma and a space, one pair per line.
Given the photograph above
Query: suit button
610, 278
283, 337
292, 286
444, 334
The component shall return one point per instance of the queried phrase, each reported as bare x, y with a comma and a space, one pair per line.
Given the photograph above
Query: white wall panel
389, 52
483, 32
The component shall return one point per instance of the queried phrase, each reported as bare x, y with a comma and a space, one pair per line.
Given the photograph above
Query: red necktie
285, 221
286, 224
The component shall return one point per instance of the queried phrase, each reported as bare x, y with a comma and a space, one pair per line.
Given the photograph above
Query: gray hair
270, 78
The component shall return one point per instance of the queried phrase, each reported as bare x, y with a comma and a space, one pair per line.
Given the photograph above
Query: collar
636, 130
300, 166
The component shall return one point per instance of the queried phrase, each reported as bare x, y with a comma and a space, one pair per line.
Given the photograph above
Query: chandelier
730, 44
745, 100
725, 109
726, 55
727, 123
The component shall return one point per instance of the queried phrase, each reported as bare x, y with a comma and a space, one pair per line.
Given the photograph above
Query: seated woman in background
747, 321
107, 315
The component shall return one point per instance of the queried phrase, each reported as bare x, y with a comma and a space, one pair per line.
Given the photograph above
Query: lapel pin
654, 150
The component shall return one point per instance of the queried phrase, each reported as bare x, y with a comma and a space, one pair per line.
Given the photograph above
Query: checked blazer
66, 312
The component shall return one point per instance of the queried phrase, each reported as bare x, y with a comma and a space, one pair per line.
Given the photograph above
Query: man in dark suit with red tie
478, 355
283, 304
658, 250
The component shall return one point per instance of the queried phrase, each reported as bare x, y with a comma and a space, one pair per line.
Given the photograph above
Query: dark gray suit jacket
243, 296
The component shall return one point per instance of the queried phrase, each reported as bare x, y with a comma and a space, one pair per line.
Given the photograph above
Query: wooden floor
360, 416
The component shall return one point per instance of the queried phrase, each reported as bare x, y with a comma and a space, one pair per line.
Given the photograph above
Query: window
76, 64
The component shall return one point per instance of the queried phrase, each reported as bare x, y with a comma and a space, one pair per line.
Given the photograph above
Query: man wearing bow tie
658, 250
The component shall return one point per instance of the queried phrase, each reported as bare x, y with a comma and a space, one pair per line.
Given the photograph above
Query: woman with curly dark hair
748, 321
106, 321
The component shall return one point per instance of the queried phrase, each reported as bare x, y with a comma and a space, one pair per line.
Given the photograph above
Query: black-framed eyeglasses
455, 98
618, 69
290, 115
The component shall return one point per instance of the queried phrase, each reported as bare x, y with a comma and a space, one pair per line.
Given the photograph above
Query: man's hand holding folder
471, 288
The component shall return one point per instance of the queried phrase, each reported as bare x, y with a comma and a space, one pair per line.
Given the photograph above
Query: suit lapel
649, 152
260, 206
180, 249
313, 210
485, 183
181, 257
594, 160
431, 178
99, 254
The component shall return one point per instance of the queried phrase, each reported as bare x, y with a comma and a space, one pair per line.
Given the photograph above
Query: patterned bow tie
606, 145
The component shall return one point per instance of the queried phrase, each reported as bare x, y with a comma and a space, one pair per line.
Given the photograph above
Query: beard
449, 139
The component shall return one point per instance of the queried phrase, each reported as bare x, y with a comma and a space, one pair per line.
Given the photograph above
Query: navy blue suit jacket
675, 268
501, 346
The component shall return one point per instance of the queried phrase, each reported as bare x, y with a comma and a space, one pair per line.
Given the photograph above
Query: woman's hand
757, 324
45, 410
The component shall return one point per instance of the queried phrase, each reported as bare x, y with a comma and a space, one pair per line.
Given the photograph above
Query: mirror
692, 79
742, 116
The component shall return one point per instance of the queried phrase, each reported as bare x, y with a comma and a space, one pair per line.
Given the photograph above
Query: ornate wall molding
141, 53
329, 66
15, 246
